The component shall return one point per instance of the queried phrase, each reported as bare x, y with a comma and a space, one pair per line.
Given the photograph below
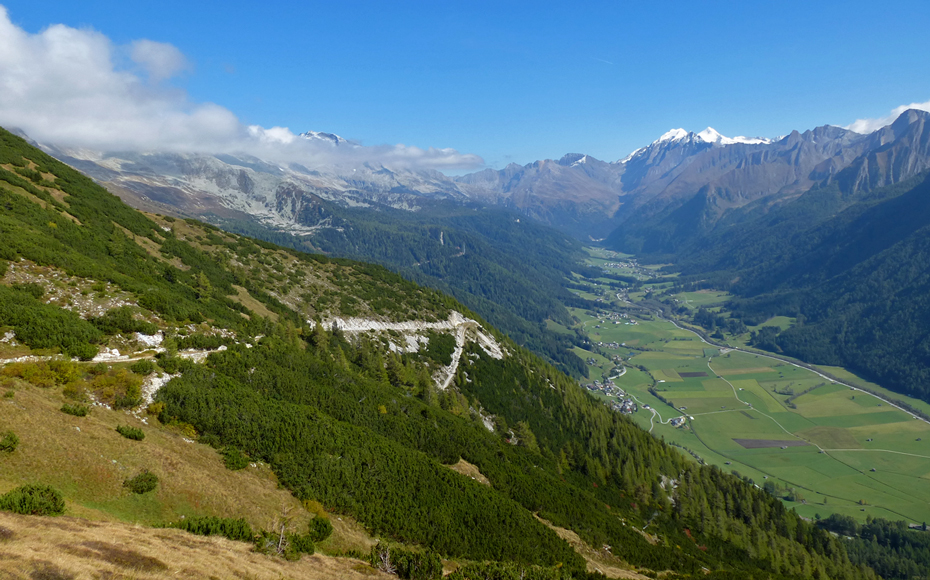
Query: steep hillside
88, 549
358, 389
416, 223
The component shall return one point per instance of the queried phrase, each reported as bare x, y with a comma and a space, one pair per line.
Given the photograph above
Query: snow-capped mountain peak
710, 135
321, 136
753, 140
672, 135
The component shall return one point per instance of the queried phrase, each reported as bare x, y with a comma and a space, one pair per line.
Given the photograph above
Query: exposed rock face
281, 197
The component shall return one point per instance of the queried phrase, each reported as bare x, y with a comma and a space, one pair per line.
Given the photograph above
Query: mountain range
683, 180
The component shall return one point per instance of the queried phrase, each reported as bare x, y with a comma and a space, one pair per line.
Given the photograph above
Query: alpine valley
373, 363
753, 215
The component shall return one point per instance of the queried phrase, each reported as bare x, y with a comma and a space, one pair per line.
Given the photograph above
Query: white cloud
161, 61
869, 125
61, 86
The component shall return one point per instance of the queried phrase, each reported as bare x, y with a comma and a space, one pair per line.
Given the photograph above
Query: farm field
826, 447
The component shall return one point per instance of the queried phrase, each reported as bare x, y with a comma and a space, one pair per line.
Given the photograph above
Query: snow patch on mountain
708, 135
632, 155
325, 137
672, 135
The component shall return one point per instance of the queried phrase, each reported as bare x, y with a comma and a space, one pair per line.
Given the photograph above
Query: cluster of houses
625, 406
631, 265
620, 403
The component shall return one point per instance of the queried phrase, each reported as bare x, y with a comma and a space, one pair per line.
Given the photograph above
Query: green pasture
705, 298
827, 416
854, 379
782, 322
558, 328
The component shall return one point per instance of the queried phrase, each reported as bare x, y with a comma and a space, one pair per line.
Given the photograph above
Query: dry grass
88, 461
348, 535
43, 548
244, 298
598, 560
469, 470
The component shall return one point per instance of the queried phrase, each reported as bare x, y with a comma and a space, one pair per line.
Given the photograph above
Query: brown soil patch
769, 443
41, 549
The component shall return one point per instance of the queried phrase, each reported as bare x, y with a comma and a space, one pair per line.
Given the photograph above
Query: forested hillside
359, 418
890, 548
510, 271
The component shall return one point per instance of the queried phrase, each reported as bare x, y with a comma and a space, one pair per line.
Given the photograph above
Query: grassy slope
89, 549
88, 460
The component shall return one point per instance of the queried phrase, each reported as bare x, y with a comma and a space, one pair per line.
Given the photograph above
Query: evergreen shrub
128, 432
37, 500
144, 482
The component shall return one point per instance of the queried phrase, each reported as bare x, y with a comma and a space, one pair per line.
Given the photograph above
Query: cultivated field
828, 447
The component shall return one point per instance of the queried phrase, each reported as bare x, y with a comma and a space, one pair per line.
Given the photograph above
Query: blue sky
520, 81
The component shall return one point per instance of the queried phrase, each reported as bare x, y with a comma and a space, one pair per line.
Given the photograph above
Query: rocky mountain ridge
705, 173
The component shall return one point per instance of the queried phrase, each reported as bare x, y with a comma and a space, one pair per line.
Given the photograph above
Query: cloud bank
64, 86
869, 125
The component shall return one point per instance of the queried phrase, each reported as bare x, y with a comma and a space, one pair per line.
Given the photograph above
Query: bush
234, 459
300, 544
204, 342
36, 500
174, 364
36, 290
405, 563
270, 543
440, 347
81, 351
101, 368
76, 410
238, 530
43, 374
319, 529
144, 482
130, 432
143, 367
121, 320
119, 388
8, 442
